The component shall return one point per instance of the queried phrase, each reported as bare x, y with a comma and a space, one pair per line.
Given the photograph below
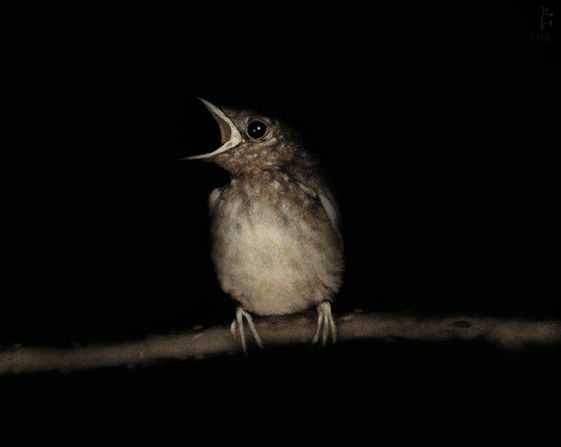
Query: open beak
229, 135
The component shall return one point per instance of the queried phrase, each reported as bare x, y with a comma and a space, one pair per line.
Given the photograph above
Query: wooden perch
282, 331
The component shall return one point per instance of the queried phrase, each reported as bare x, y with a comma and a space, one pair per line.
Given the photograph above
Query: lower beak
230, 135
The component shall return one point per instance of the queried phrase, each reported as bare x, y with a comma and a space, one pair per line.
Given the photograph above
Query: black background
435, 127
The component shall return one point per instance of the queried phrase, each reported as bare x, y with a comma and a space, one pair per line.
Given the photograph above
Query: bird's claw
238, 326
326, 325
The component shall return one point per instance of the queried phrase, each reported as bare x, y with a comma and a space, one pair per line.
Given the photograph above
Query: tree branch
282, 331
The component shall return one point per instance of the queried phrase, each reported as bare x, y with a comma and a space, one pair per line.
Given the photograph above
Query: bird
276, 238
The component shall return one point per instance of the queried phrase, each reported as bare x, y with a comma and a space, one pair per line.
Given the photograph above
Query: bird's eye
256, 129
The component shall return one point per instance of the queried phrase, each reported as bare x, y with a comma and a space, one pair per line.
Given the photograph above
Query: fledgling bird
276, 240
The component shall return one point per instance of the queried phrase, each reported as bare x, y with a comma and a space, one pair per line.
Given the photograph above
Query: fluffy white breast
268, 257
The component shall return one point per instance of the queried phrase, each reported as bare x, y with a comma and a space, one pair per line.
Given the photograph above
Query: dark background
435, 127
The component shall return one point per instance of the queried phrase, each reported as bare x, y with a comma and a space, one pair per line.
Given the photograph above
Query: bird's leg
238, 324
326, 324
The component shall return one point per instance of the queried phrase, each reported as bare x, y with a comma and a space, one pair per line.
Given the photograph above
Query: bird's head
250, 142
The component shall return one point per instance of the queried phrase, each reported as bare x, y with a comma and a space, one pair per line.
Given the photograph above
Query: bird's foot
326, 325
238, 326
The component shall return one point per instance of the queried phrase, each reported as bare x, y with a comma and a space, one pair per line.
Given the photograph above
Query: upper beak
230, 135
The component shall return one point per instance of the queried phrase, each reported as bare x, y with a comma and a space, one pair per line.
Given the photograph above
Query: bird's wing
328, 204
330, 207
214, 197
